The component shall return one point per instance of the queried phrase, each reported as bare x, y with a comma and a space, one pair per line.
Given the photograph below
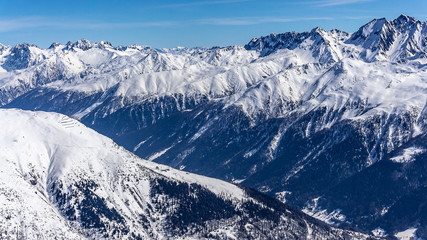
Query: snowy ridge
44, 149
62, 180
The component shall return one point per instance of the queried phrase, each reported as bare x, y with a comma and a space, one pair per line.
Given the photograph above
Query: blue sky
167, 23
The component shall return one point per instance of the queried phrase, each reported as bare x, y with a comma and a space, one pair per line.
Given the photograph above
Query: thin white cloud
254, 20
328, 3
8, 25
21, 23
202, 3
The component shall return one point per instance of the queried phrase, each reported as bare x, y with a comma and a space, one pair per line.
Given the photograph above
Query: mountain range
332, 123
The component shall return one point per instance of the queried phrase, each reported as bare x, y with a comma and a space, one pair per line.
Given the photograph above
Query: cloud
21, 23
253, 20
8, 25
202, 3
17, 24
328, 3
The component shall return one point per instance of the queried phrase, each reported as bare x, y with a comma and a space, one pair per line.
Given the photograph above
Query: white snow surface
408, 155
408, 234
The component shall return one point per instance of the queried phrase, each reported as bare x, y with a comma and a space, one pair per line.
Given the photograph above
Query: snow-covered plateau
327, 116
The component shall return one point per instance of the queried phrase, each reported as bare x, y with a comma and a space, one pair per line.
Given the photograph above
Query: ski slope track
62, 180
335, 120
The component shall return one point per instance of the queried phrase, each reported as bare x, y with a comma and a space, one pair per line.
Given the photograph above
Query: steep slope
61, 180
295, 115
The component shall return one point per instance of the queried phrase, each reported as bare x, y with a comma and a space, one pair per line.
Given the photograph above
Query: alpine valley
329, 122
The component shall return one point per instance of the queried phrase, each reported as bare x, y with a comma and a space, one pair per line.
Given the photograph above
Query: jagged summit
82, 44
405, 19
54, 45
379, 39
375, 38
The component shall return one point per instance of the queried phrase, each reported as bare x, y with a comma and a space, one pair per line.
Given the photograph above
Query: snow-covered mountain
300, 116
61, 180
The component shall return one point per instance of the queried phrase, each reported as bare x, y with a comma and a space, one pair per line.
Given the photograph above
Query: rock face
61, 180
311, 118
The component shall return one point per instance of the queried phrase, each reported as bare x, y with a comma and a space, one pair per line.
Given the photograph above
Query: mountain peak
23, 46
82, 44
375, 37
404, 22
373, 27
405, 18
2, 47
104, 44
317, 30
54, 45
